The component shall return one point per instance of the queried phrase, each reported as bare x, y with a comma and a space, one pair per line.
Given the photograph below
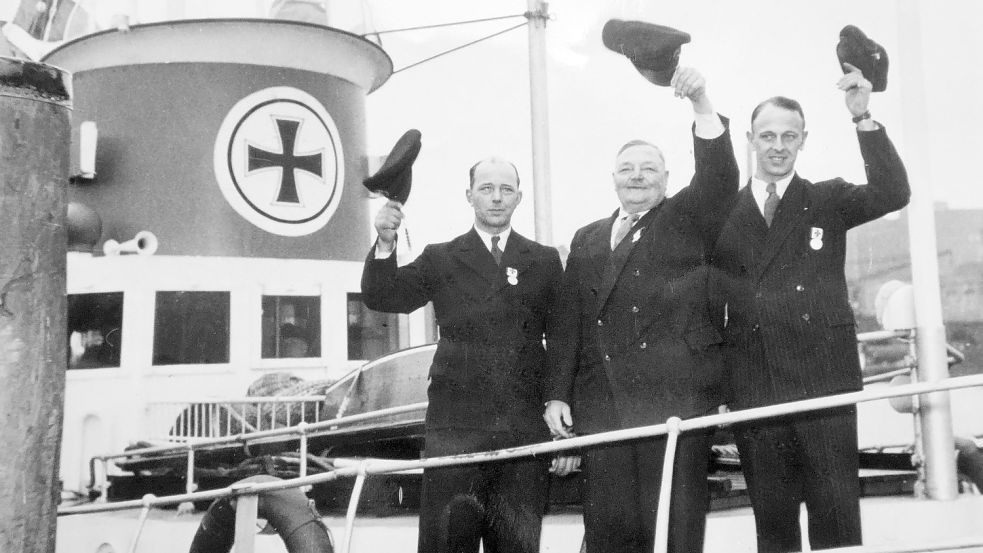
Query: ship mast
934, 408
538, 14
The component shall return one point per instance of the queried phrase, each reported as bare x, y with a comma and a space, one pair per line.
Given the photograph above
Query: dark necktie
495, 250
771, 204
625, 224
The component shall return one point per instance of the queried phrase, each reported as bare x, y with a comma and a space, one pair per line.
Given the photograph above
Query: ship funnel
144, 243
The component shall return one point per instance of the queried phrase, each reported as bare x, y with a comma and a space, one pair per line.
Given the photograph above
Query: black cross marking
286, 161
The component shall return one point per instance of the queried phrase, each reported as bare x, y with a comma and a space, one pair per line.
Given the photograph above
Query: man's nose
496, 195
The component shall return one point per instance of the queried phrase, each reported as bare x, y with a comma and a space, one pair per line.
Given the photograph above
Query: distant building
878, 252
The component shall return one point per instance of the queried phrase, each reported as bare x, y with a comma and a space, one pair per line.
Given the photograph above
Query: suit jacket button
643, 345
637, 272
805, 317
755, 328
634, 309
607, 357
757, 295
799, 288
600, 322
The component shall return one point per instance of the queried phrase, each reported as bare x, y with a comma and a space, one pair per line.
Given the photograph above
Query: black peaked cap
394, 179
864, 54
649, 46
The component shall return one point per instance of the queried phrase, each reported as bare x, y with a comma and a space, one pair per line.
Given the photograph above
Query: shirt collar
622, 213
486, 237
758, 186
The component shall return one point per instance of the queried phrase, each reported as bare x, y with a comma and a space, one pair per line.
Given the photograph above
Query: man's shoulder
594, 225
535, 247
453, 243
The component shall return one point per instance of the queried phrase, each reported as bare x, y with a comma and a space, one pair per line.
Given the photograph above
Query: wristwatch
861, 117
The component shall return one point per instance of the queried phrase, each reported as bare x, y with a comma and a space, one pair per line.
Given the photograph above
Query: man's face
640, 178
777, 134
494, 195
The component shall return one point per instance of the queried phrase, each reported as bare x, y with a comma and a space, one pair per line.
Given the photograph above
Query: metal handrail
384, 466
246, 437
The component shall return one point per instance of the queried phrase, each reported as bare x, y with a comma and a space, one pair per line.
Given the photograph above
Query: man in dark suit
637, 344
790, 331
493, 293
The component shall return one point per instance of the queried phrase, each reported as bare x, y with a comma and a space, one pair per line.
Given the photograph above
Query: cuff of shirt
380, 254
708, 125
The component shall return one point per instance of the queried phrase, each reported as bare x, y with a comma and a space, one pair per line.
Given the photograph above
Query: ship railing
197, 420
246, 514
302, 430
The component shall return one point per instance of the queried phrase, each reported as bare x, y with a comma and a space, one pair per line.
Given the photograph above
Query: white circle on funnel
278, 161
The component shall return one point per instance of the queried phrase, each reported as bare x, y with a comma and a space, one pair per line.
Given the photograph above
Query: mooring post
35, 136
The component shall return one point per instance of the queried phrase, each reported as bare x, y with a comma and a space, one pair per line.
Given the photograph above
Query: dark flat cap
394, 178
864, 54
652, 48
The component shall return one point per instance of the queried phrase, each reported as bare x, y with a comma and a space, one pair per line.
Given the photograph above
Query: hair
639, 142
779, 102
475, 168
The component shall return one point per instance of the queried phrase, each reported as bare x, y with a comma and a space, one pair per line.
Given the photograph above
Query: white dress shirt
708, 125
486, 238
758, 190
622, 215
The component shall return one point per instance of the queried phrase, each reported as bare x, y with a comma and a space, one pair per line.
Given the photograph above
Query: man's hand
387, 222
563, 464
689, 83
857, 90
558, 419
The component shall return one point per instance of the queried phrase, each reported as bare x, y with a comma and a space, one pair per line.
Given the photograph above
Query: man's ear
805, 135
750, 137
518, 199
467, 194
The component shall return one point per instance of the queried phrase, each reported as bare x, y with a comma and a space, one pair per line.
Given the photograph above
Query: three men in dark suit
790, 329
493, 292
637, 344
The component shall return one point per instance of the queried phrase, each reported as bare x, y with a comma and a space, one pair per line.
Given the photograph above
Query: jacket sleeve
887, 186
563, 343
392, 289
712, 190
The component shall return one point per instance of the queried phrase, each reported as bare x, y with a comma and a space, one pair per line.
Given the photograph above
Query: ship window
95, 330
370, 333
191, 328
291, 326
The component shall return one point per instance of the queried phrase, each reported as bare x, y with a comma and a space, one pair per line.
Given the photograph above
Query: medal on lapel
637, 235
512, 275
816, 238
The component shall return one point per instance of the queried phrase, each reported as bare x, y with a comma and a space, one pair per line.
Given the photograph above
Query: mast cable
437, 25
456, 48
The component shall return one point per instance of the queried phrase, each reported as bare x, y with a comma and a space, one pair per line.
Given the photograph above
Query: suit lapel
791, 209
470, 251
619, 257
749, 216
516, 257
599, 247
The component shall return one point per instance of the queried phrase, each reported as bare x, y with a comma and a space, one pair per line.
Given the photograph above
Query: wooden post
35, 135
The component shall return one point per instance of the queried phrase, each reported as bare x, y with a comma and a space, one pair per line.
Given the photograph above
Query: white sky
471, 104
475, 103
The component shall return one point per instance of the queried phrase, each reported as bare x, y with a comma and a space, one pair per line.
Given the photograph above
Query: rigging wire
462, 46
438, 25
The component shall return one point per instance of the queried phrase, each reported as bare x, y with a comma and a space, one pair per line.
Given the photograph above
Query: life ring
287, 511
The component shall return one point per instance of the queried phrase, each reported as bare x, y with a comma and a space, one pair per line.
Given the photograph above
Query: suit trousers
499, 503
621, 494
805, 457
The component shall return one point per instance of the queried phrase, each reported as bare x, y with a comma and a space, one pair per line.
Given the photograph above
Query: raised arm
715, 181
887, 186
386, 287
